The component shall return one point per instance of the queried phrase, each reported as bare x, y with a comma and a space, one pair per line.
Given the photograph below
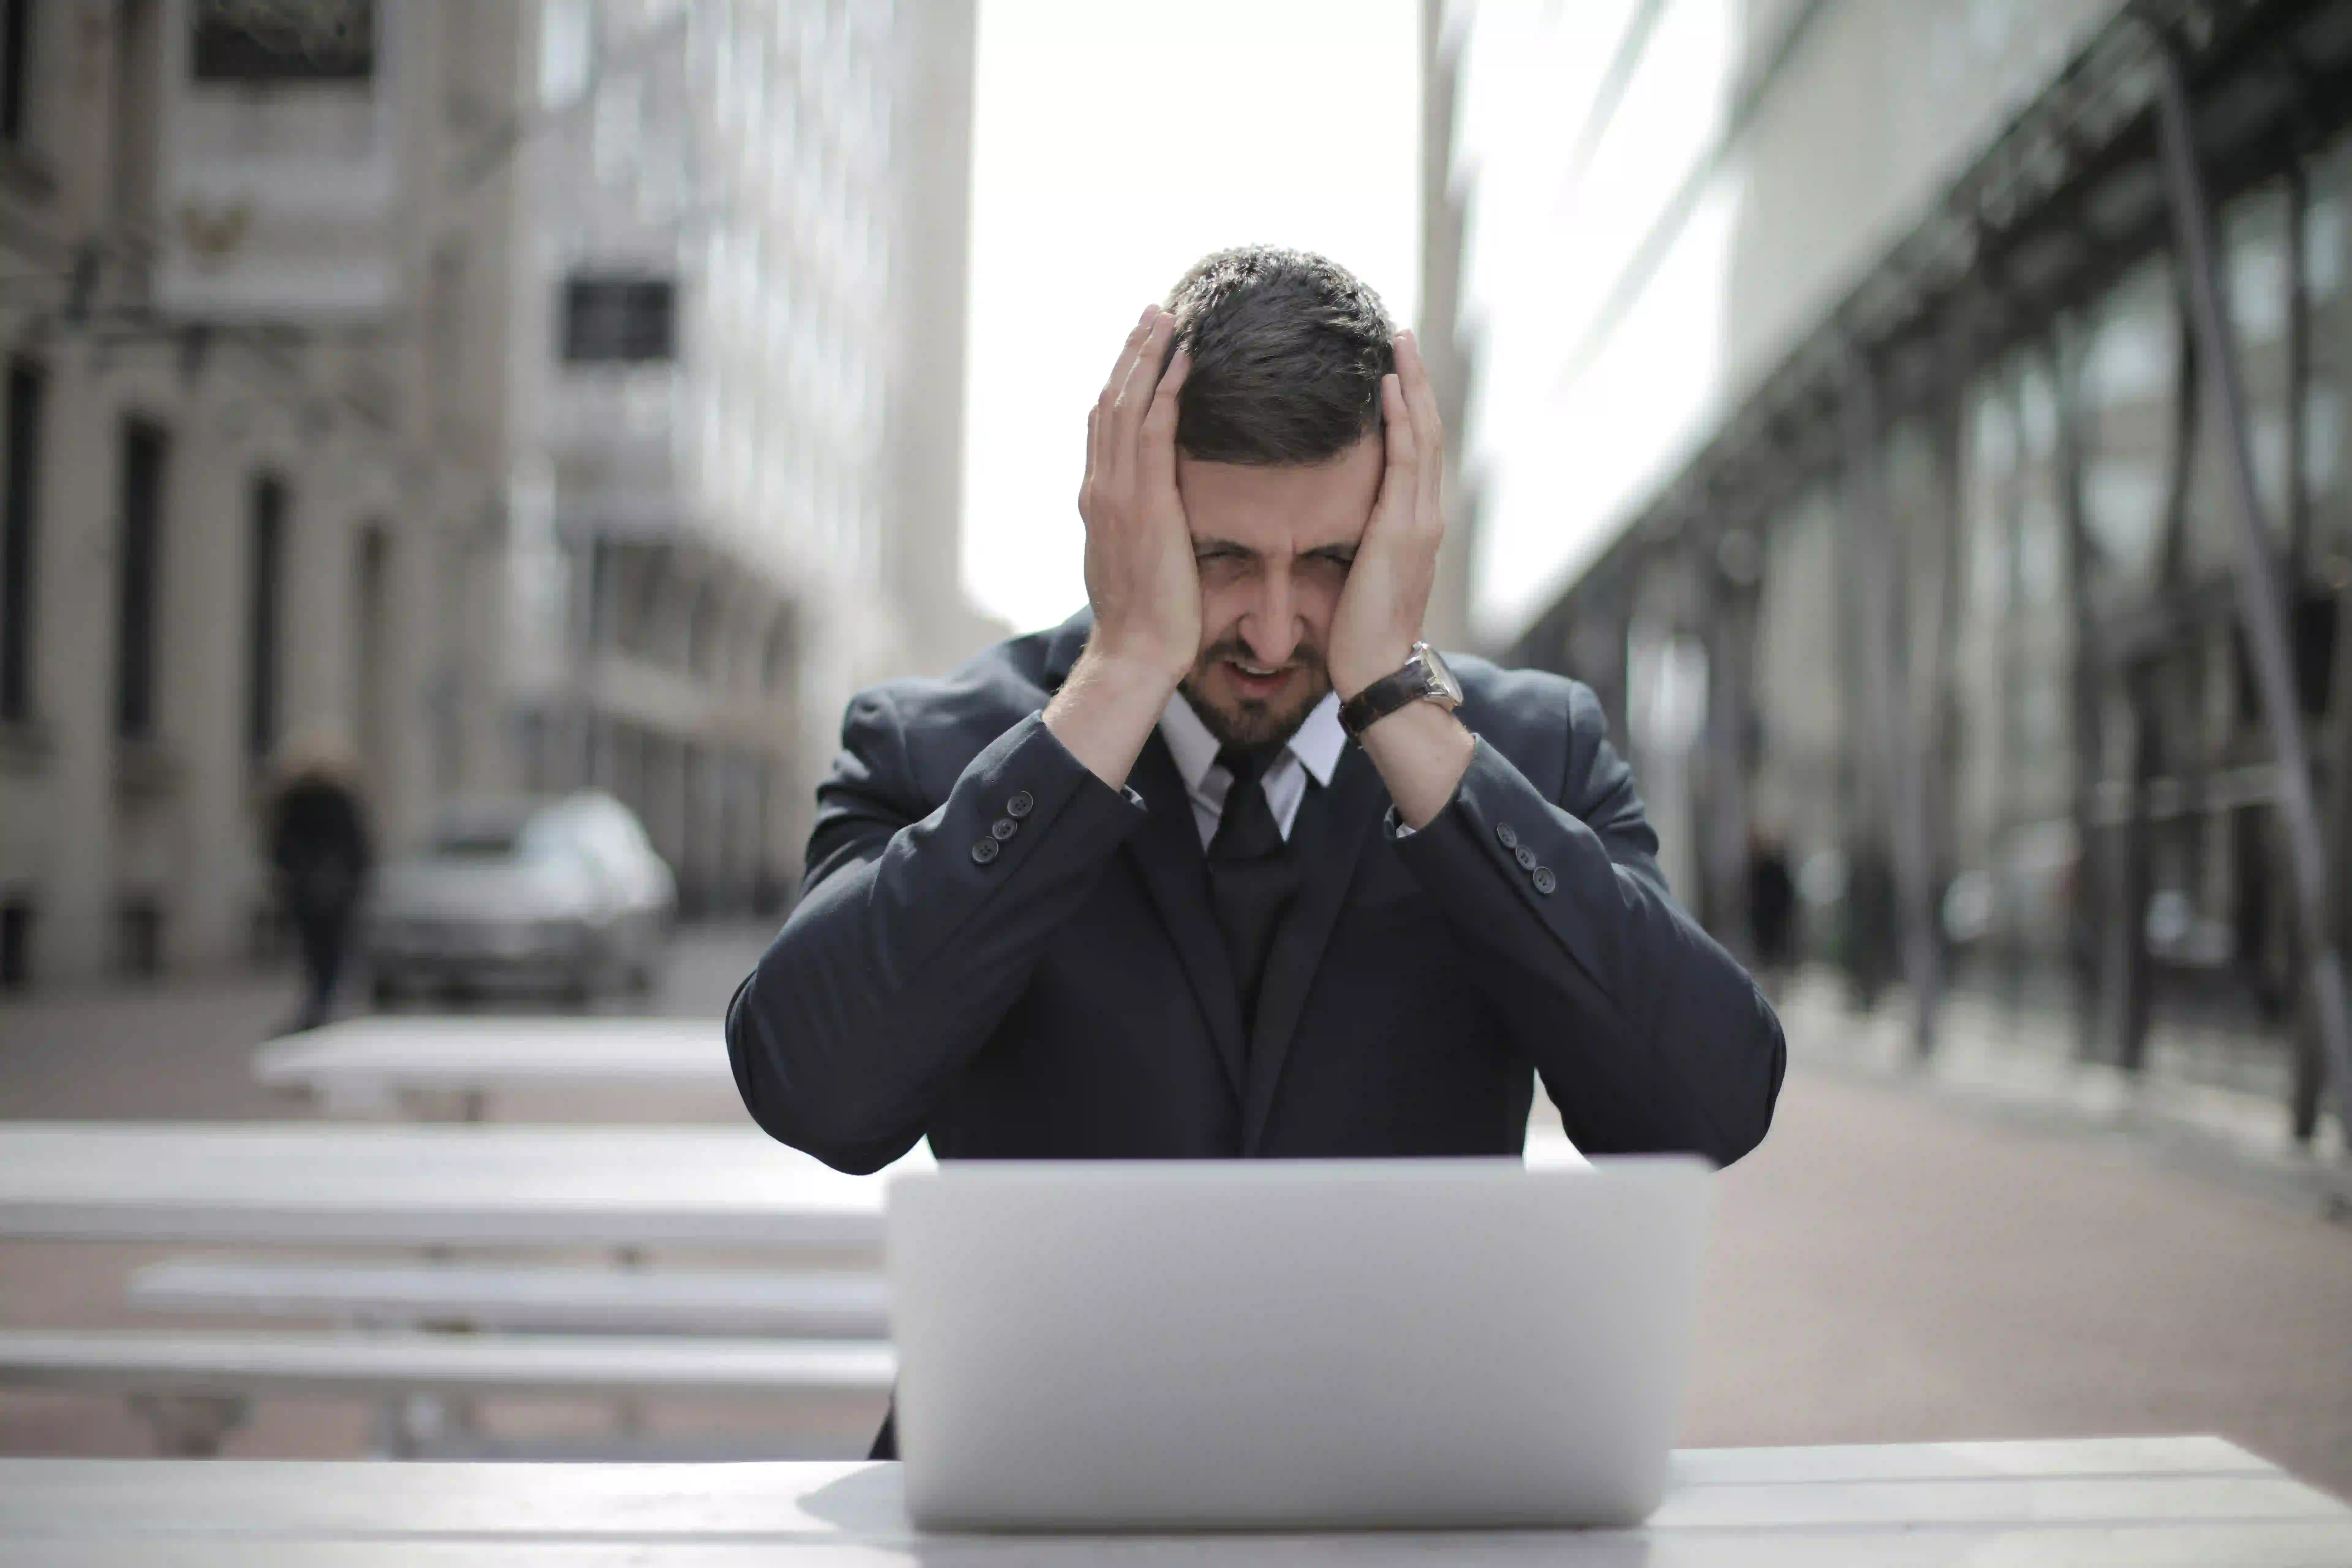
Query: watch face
1442, 686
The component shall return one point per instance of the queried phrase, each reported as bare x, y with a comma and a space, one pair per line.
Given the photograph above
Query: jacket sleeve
917, 927
1647, 1034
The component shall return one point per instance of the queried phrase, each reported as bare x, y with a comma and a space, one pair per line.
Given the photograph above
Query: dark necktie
1253, 875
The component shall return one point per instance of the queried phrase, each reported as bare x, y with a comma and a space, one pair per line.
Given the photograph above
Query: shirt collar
1316, 742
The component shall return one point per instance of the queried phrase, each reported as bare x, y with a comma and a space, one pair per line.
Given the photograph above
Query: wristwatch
1424, 678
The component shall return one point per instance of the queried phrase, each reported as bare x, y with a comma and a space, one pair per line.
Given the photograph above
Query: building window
16, 66
619, 320
266, 570
19, 500
145, 450
16, 943
316, 41
140, 936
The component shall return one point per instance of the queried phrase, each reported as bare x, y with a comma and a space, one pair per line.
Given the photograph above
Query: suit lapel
1168, 855
1329, 835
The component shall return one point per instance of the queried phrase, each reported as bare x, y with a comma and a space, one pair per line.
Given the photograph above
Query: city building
1957, 411
533, 395
742, 309
251, 461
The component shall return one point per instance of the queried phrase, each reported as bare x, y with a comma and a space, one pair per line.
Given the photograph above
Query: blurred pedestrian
1771, 914
318, 848
1871, 914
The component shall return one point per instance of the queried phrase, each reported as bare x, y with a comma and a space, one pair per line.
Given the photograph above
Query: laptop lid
1292, 1343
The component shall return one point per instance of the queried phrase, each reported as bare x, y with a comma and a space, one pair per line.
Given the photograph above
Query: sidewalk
2019, 1064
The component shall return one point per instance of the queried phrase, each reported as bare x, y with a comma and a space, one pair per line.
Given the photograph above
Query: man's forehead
1302, 507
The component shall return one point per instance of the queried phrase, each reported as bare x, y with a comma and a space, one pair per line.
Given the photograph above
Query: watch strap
1384, 697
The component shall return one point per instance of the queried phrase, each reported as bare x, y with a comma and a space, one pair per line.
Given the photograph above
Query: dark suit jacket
1062, 993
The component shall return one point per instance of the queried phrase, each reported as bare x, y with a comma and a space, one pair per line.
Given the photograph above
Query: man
1126, 889
318, 848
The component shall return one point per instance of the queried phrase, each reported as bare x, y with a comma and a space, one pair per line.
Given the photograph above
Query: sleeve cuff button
984, 851
1003, 828
1544, 880
1507, 835
1020, 805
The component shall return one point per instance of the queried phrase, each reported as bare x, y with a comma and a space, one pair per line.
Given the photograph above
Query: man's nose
1271, 628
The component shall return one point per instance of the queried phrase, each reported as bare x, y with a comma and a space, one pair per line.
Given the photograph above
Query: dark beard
1250, 724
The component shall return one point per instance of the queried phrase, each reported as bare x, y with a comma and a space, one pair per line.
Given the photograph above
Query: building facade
529, 395
250, 464
1991, 567
744, 309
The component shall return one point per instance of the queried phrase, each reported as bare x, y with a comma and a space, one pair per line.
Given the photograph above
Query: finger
1428, 427
1087, 479
1400, 478
1099, 452
1135, 397
1158, 453
1128, 346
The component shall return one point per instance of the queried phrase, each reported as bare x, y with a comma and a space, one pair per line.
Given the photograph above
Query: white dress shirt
1312, 749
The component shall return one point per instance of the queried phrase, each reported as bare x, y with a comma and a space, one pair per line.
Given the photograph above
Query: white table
295, 1184
2193, 1503
448, 1069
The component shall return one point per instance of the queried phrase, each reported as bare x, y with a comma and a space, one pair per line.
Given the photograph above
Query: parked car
565, 893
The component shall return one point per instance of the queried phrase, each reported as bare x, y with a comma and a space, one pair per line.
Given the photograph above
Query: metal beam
2258, 589
1887, 696
1727, 610
2063, 363
1623, 60
1667, 226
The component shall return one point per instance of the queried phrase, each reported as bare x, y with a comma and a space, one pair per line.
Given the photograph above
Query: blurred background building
532, 395
1896, 507
740, 499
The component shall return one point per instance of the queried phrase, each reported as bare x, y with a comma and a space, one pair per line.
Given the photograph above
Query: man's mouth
1257, 679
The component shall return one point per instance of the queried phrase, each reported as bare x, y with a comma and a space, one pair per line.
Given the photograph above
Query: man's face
1274, 546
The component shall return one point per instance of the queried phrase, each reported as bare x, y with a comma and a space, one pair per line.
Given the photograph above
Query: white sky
1561, 457
1115, 143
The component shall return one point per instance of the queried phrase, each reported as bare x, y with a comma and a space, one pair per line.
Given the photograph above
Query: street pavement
1895, 1264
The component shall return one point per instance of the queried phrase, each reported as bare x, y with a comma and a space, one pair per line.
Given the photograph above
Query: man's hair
1287, 352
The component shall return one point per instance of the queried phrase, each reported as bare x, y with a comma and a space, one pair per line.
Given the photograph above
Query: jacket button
1508, 835
1544, 880
1022, 804
986, 850
1003, 828
1525, 857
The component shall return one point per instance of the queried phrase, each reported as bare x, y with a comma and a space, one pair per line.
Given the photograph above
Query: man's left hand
1420, 751
1381, 610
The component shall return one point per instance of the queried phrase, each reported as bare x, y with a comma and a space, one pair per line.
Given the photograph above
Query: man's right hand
1141, 576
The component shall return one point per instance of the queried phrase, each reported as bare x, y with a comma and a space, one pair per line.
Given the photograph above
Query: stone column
75, 613
405, 812
207, 615
321, 606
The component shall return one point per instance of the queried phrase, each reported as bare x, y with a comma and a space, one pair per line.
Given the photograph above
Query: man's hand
1380, 613
1140, 576
1422, 751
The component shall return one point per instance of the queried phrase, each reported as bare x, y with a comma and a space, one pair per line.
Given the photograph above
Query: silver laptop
1440, 1343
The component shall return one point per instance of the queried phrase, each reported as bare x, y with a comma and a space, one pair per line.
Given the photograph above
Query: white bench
193, 1387
632, 1070
282, 1184
525, 1297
